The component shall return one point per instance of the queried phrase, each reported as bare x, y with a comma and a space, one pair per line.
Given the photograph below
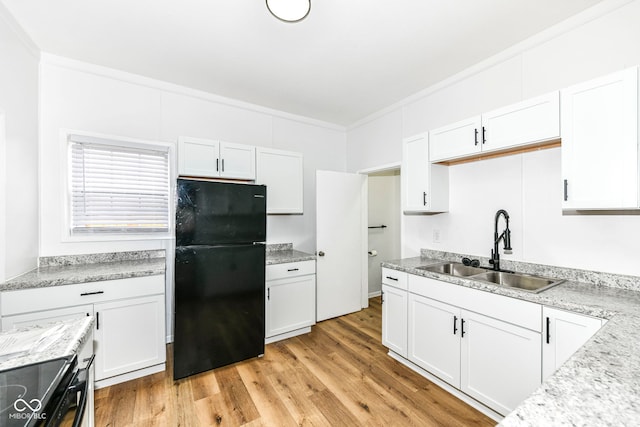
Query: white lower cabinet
564, 334
490, 347
499, 363
430, 322
290, 299
129, 335
394, 319
487, 346
128, 338
495, 362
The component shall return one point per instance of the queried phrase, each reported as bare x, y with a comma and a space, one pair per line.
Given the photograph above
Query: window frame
119, 141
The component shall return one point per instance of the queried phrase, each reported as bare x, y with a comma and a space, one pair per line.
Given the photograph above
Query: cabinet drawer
37, 299
512, 310
290, 269
395, 278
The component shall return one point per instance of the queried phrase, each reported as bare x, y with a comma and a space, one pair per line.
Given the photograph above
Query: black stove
30, 395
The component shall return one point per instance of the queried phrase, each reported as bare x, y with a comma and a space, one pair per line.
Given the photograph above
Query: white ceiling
348, 59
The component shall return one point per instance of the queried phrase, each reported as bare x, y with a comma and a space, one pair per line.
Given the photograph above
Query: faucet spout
505, 236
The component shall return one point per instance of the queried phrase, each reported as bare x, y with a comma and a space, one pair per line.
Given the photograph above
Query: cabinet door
500, 362
394, 319
291, 304
425, 187
564, 334
456, 140
527, 122
283, 174
198, 157
129, 335
237, 161
46, 316
600, 142
434, 337
415, 173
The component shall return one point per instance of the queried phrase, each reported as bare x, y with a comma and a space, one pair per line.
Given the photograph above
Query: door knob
320, 253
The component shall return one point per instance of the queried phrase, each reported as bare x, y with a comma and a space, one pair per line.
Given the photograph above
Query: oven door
73, 404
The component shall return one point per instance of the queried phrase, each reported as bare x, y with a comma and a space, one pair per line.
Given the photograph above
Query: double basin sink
525, 282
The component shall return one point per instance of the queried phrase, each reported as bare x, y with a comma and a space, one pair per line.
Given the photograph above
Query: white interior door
341, 246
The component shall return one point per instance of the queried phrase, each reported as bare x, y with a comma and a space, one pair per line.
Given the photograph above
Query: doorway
384, 206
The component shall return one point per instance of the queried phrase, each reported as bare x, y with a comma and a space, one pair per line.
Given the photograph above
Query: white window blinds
116, 189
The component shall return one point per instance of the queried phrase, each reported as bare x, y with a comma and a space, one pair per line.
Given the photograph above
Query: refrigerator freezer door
219, 306
212, 213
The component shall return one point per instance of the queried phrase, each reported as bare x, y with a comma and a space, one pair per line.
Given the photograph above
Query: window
118, 187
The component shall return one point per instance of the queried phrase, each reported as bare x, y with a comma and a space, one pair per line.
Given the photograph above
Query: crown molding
597, 11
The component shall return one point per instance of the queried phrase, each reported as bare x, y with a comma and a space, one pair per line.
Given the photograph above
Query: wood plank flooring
338, 375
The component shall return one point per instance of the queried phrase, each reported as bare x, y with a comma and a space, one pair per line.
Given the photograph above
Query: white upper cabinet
237, 161
529, 122
215, 159
283, 174
425, 187
198, 157
456, 140
600, 142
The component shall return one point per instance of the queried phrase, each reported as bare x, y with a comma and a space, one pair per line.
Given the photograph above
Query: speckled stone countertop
74, 334
69, 270
284, 252
600, 384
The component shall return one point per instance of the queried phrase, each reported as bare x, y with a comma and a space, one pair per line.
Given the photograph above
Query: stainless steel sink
453, 269
524, 282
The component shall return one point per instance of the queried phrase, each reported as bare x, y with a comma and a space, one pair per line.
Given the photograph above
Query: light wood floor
338, 375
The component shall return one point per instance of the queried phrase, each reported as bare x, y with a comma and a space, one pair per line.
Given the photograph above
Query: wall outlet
436, 235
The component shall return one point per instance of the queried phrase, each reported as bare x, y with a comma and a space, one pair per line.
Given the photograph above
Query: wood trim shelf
554, 143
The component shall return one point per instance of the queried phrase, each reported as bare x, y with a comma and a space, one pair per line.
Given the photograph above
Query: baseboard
286, 335
130, 376
452, 390
375, 294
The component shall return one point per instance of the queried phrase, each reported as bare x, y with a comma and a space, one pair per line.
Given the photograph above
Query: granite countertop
283, 253
72, 336
69, 270
600, 383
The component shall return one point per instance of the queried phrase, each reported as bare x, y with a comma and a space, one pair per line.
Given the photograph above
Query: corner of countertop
281, 253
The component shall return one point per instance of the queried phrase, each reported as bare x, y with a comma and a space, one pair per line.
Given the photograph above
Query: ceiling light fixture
289, 10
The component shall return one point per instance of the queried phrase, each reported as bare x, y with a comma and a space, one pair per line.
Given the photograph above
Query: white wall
384, 209
18, 150
594, 43
82, 97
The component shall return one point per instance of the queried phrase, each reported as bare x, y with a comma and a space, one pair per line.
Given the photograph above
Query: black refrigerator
219, 275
